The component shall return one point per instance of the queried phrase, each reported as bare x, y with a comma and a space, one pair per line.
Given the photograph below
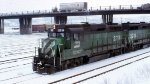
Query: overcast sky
29, 5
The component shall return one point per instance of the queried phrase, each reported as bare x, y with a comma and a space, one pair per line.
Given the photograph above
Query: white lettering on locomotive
76, 44
77, 52
131, 36
116, 38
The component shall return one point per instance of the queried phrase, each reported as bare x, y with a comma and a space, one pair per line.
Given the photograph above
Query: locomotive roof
95, 27
63, 26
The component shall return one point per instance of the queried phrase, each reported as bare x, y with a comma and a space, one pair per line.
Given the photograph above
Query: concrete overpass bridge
25, 19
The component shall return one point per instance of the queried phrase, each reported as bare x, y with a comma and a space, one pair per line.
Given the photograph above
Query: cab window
54, 33
75, 36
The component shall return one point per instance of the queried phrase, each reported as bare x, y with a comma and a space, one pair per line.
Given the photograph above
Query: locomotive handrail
60, 54
47, 11
36, 50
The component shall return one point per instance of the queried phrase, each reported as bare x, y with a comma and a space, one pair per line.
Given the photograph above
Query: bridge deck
77, 13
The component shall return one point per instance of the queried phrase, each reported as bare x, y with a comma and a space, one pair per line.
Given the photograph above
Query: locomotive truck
72, 45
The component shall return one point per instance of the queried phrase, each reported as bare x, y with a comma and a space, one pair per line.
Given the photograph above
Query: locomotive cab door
67, 40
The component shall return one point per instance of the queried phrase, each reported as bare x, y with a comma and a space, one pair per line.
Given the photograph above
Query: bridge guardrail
120, 7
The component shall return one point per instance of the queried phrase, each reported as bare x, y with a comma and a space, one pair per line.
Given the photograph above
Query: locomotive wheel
66, 64
77, 62
40, 69
112, 53
74, 64
63, 66
85, 59
81, 60
71, 63
49, 69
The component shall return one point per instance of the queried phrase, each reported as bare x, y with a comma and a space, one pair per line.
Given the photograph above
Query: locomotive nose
34, 63
43, 65
43, 68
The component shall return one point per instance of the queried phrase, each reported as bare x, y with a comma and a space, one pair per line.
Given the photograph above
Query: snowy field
13, 45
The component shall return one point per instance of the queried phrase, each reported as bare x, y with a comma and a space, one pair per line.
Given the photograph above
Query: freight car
72, 45
39, 28
70, 7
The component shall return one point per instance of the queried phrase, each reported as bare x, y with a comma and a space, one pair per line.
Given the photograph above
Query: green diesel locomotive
72, 45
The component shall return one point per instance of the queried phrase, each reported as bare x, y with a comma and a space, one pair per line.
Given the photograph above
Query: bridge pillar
104, 19
25, 25
107, 18
60, 19
1, 26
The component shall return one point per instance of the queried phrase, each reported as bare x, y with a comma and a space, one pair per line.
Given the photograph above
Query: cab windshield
53, 33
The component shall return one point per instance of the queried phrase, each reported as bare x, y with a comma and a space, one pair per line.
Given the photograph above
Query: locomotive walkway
25, 18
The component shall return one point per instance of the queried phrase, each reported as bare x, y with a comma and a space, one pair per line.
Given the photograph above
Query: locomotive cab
63, 43
49, 51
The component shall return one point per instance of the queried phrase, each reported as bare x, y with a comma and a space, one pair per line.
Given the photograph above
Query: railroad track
27, 80
19, 73
23, 72
61, 80
7, 69
8, 46
110, 70
104, 72
15, 60
17, 77
21, 52
21, 78
12, 54
19, 48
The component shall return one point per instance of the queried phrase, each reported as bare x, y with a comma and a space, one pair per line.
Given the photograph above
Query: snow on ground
131, 74
49, 78
144, 81
13, 45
